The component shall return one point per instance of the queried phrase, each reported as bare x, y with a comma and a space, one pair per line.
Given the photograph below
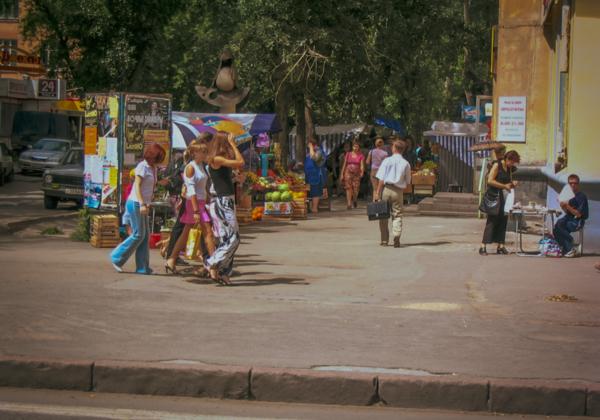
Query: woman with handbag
195, 213
499, 180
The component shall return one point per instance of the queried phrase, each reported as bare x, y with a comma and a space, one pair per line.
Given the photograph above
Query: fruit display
257, 213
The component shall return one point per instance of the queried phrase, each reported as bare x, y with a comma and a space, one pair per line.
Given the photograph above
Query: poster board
117, 127
101, 151
512, 118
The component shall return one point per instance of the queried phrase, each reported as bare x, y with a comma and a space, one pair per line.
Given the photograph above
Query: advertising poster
101, 151
145, 115
512, 118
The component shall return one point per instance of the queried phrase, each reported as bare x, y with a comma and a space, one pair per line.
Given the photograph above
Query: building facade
546, 86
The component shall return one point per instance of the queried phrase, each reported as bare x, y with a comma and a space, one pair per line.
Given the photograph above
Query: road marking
105, 413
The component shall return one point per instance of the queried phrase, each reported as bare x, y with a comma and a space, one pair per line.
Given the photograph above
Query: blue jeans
562, 232
136, 242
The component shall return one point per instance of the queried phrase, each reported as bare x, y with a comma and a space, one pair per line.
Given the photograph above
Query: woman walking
137, 208
194, 213
352, 172
499, 180
374, 159
223, 157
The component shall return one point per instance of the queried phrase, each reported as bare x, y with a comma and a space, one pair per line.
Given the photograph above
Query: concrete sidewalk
321, 294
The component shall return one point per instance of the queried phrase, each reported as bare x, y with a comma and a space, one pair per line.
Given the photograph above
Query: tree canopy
413, 60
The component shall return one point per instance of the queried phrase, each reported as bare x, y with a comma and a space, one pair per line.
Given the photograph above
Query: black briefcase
378, 210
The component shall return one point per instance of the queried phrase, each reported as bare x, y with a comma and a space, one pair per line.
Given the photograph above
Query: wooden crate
277, 218
104, 231
243, 215
299, 210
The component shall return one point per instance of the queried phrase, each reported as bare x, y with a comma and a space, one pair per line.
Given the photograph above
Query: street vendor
313, 171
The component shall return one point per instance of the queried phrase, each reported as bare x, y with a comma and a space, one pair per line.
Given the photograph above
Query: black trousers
176, 231
495, 229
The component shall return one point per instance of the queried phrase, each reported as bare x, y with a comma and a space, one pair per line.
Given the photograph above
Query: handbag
378, 210
490, 203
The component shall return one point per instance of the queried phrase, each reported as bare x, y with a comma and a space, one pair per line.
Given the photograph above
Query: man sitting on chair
576, 212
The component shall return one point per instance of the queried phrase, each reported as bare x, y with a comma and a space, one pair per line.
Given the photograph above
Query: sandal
502, 250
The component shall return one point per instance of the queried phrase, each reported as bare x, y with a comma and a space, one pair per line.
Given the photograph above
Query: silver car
45, 154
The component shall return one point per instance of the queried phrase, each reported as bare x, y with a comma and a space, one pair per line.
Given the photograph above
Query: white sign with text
512, 118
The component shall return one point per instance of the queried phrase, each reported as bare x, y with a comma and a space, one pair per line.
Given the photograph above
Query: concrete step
449, 207
467, 198
431, 213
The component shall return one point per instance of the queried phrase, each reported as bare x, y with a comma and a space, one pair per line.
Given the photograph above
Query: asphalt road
28, 404
319, 293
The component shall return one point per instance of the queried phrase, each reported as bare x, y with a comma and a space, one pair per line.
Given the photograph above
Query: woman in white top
136, 207
195, 178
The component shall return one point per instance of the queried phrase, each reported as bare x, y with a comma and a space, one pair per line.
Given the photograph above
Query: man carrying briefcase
393, 176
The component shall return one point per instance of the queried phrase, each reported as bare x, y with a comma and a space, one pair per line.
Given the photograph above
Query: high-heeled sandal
482, 251
170, 269
502, 250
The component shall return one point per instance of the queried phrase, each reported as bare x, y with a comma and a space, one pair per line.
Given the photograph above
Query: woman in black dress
499, 179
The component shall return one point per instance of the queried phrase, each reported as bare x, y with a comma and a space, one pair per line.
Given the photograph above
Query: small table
162, 206
543, 213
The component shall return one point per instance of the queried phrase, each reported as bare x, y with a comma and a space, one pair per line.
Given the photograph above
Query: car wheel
50, 203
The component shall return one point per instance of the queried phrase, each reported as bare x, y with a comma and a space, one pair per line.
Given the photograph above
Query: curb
522, 396
13, 227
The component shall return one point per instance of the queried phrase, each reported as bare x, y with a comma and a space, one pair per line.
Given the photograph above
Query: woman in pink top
352, 171
374, 160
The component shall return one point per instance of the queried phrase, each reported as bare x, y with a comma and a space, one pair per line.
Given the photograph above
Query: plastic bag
550, 248
193, 244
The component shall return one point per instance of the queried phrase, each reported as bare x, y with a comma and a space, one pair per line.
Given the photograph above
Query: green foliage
52, 230
82, 231
414, 60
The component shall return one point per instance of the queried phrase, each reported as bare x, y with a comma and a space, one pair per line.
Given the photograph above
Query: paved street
23, 199
318, 293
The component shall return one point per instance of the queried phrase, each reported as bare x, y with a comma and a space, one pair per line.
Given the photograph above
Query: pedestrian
374, 159
313, 173
576, 213
346, 147
195, 213
352, 172
393, 176
499, 180
223, 157
137, 206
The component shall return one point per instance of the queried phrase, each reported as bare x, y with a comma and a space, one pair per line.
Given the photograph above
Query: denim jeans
562, 232
136, 242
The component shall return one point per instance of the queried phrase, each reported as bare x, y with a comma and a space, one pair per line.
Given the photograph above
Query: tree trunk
467, 54
309, 118
282, 109
300, 149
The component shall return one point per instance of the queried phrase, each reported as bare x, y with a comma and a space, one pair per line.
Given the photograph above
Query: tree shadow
437, 243
242, 263
297, 281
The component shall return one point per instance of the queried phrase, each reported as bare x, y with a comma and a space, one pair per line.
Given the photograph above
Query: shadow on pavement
270, 282
438, 243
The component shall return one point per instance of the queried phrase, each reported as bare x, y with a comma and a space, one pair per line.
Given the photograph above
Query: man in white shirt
393, 176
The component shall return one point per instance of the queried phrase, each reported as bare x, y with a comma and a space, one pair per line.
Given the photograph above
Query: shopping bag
193, 244
509, 201
378, 210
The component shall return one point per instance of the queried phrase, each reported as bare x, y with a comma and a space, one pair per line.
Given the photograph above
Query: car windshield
51, 145
75, 158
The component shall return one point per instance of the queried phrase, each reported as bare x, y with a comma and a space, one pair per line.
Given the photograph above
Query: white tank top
195, 185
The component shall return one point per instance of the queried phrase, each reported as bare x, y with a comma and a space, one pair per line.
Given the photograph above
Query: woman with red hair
137, 208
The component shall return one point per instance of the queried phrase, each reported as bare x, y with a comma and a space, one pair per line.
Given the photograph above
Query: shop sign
15, 59
48, 88
512, 118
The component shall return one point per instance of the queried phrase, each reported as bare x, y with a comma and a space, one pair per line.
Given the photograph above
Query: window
7, 45
9, 9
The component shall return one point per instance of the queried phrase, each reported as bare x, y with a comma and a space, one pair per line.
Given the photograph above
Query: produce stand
280, 197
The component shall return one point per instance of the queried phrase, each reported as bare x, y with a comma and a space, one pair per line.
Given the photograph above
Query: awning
187, 125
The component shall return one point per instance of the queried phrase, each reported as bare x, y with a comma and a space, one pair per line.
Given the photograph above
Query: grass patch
52, 230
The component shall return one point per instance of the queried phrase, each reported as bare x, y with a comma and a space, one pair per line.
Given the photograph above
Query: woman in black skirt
499, 179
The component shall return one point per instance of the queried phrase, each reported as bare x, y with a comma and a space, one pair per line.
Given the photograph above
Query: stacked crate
243, 215
299, 208
105, 231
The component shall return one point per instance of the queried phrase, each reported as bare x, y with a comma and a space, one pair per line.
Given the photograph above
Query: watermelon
275, 196
268, 196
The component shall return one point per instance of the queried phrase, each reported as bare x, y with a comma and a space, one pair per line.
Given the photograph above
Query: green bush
82, 231
53, 230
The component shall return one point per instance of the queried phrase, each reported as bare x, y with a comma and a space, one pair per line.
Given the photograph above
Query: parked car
7, 167
65, 181
46, 153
